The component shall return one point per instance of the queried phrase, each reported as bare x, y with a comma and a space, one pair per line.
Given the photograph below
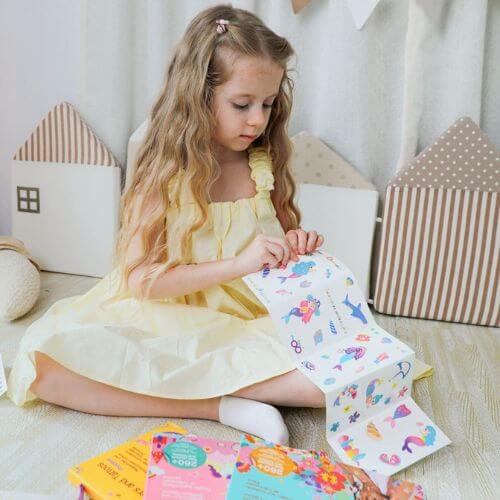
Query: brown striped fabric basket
440, 239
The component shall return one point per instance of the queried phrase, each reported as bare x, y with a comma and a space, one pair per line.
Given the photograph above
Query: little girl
173, 331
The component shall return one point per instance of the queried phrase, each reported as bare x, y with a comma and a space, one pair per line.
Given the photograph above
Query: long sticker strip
366, 374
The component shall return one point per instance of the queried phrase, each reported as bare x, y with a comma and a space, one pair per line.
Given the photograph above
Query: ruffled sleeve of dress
262, 171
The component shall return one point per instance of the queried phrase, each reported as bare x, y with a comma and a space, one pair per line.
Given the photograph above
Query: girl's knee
315, 396
45, 385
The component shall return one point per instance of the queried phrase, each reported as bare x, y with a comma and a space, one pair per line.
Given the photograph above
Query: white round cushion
19, 285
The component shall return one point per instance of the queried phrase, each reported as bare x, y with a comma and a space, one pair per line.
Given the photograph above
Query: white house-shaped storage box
65, 195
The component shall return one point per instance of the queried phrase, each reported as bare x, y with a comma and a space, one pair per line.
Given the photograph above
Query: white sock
253, 417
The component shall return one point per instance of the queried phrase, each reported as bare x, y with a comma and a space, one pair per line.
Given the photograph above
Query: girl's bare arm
182, 279
187, 278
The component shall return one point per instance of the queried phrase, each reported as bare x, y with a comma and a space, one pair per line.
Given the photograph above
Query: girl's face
243, 104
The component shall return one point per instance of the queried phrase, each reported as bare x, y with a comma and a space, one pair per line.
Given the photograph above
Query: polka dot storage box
440, 237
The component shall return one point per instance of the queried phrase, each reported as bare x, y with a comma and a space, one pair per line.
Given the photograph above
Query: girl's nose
256, 118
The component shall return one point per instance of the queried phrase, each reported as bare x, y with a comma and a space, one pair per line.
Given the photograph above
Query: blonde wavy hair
179, 137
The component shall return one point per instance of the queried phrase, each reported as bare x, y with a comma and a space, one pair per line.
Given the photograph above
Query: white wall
39, 61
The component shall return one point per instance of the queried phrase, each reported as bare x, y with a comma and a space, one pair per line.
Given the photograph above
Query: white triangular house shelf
440, 239
65, 195
339, 190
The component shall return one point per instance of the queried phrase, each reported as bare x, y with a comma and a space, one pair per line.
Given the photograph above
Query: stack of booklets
170, 463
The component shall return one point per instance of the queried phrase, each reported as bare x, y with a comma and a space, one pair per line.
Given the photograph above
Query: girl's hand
266, 251
302, 241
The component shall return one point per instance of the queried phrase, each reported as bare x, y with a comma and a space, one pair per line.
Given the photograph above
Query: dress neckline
251, 164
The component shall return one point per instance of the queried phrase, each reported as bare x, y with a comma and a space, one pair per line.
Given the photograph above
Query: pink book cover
189, 467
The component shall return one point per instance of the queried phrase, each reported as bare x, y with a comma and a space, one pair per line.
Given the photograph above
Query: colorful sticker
371, 398
390, 460
305, 311
355, 310
400, 412
427, 438
404, 368
349, 354
299, 270
373, 432
349, 449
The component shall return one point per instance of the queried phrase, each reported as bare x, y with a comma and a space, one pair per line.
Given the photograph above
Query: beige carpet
39, 442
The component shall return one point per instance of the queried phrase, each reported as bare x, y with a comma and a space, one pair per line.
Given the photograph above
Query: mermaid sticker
371, 398
299, 271
305, 311
349, 354
427, 438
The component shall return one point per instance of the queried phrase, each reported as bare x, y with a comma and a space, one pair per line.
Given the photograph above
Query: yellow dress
200, 345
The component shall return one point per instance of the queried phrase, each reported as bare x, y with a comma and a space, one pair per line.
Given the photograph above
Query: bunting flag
361, 10
298, 5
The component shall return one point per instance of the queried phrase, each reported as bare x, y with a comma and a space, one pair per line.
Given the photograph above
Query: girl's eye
244, 106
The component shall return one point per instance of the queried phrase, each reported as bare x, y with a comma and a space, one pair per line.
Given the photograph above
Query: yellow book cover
121, 471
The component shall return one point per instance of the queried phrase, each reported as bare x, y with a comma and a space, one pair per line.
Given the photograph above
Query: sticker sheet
366, 374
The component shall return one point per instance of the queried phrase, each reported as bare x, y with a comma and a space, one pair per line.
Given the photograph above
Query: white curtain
377, 96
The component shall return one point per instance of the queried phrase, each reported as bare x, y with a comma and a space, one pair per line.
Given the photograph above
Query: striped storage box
66, 195
440, 238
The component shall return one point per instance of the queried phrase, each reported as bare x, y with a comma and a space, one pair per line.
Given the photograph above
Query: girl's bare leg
290, 389
56, 384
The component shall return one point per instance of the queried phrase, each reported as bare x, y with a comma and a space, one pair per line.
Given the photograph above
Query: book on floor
121, 471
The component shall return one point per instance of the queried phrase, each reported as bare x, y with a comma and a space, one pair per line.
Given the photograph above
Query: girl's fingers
320, 241
271, 261
276, 250
293, 239
302, 236
312, 236
284, 243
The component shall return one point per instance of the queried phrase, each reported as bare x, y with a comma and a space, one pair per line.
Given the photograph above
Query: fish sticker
349, 281
355, 310
305, 311
305, 284
400, 412
328, 273
335, 426
427, 438
283, 292
349, 354
299, 270
329, 381
265, 271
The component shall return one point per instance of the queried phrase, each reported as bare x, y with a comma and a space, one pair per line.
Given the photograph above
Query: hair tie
221, 25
